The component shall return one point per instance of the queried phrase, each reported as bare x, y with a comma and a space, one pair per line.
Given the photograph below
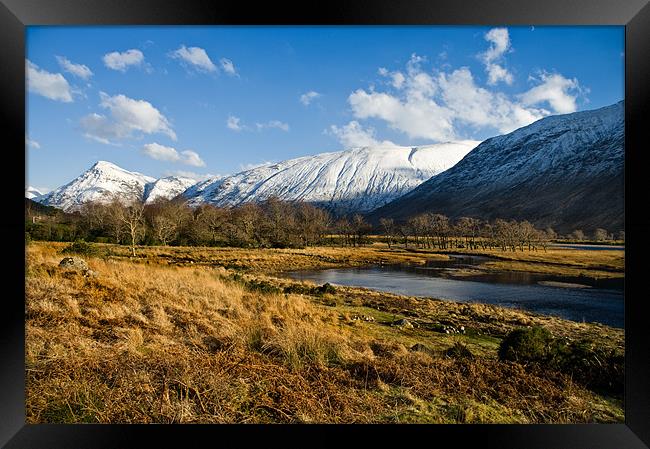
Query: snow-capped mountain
105, 180
358, 179
564, 171
167, 188
32, 193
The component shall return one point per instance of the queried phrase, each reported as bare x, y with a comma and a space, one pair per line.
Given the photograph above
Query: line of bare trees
276, 223
438, 231
273, 223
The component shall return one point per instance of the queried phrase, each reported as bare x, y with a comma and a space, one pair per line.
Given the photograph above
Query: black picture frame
633, 14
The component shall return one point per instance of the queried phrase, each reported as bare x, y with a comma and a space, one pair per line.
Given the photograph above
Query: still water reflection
573, 298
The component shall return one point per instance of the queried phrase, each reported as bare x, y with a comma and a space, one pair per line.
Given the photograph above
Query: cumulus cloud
273, 124
413, 110
354, 135
556, 90
397, 78
170, 154
476, 106
196, 58
499, 40
228, 66
122, 61
50, 85
234, 123
126, 118
308, 97
433, 105
78, 70
189, 157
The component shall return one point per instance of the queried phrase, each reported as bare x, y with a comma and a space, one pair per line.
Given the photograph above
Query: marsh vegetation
186, 334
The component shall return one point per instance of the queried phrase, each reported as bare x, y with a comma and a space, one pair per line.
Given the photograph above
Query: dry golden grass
558, 261
571, 262
268, 260
148, 342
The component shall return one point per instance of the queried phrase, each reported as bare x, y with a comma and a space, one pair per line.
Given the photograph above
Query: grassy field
598, 264
179, 335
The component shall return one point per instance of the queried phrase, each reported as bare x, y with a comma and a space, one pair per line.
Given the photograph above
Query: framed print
424, 220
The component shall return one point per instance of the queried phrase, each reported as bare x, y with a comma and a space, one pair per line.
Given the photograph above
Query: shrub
459, 351
299, 289
262, 287
326, 288
588, 364
80, 247
526, 345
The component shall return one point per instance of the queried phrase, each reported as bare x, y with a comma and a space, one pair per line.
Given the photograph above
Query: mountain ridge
563, 171
356, 179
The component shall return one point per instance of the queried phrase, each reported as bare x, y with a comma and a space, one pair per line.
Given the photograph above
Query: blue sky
201, 101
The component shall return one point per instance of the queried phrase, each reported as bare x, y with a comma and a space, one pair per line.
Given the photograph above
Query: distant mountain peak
105, 180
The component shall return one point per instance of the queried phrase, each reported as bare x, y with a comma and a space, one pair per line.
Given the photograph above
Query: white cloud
273, 124
50, 85
397, 78
228, 66
354, 135
78, 70
196, 57
122, 61
556, 91
234, 123
127, 116
169, 154
160, 152
189, 157
499, 44
479, 107
442, 106
416, 114
32, 143
308, 97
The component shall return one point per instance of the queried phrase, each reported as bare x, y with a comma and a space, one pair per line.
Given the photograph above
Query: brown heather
149, 341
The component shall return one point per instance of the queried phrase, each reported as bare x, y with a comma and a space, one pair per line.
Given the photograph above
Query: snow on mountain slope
99, 183
564, 171
32, 193
358, 179
167, 188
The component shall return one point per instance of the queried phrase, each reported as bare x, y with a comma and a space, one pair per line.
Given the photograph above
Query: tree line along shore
279, 224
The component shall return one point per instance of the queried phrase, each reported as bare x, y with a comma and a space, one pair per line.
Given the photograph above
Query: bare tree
344, 228
360, 228
311, 223
132, 217
600, 234
388, 226
577, 235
